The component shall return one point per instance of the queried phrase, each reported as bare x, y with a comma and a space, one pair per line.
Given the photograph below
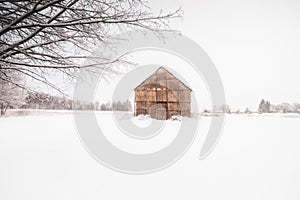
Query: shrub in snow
177, 117
143, 117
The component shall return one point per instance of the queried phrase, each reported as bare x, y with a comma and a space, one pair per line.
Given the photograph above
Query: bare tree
38, 37
10, 92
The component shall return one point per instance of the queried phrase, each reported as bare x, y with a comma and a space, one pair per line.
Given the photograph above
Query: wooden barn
162, 96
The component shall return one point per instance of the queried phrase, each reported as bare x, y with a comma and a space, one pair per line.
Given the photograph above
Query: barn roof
163, 70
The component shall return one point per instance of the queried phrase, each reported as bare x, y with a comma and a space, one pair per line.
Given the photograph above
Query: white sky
254, 44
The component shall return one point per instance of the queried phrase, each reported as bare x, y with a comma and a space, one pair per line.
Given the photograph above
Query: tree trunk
1, 109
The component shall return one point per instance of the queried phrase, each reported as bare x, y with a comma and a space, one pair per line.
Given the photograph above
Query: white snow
142, 120
258, 157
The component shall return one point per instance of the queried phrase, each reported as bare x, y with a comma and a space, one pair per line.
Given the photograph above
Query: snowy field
258, 157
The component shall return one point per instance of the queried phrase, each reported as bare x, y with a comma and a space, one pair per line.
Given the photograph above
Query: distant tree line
49, 102
264, 107
267, 107
46, 102
117, 106
226, 109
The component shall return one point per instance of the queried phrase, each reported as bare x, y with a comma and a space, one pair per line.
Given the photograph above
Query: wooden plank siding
162, 96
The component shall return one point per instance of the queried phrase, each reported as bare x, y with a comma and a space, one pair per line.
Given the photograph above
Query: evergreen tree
264, 106
261, 106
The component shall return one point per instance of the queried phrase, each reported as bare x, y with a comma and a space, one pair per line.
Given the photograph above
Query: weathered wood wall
162, 96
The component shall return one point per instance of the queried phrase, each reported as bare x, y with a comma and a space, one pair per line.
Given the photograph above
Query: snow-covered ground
258, 157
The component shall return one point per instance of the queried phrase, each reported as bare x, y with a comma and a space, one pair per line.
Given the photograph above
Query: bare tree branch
38, 37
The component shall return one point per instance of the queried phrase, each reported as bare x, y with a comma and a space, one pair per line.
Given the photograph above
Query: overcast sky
255, 45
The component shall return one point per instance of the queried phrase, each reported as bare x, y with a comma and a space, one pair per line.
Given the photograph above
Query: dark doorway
159, 111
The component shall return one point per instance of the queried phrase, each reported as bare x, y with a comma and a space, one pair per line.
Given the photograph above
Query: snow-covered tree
11, 95
247, 111
226, 109
288, 108
297, 106
40, 37
121, 106
103, 107
264, 106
